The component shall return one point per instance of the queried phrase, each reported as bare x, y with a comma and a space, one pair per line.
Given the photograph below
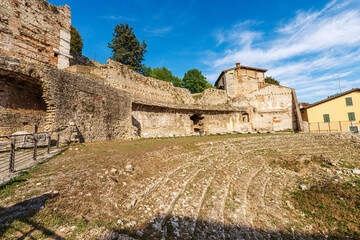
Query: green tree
76, 42
165, 75
271, 80
195, 81
126, 48
145, 70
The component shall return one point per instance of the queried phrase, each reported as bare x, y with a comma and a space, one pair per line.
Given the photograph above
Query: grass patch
8, 188
333, 206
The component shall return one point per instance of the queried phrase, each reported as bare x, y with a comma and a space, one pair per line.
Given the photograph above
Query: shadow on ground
185, 228
23, 212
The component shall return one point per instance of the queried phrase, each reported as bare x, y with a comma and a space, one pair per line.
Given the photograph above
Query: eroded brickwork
80, 107
35, 31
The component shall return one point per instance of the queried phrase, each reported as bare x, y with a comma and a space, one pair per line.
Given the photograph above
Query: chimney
237, 64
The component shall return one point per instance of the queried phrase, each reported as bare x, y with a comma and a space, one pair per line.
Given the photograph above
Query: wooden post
329, 126
12, 156
49, 144
35, 147
340, 126
58, 140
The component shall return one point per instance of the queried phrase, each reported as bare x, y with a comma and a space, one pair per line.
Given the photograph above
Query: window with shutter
326, 118
349, 101
351, 116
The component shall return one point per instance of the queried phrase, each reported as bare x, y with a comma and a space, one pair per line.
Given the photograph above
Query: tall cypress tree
76, 42
126, 48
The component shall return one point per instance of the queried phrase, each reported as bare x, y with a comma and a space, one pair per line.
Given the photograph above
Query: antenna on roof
339, 82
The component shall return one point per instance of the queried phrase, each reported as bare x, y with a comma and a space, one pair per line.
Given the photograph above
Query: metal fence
23, 150
339, 126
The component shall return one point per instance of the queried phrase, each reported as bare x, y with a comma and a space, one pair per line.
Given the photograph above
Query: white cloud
113, 17
305, 48
159, 32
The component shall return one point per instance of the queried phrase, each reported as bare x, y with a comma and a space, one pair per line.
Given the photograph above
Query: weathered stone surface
35, 31
80, 107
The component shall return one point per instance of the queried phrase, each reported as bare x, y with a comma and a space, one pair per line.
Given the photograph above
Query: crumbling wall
35, 31
148, 89
21, 104
153, 121
225, 122
273, 108
78, 106
84, 61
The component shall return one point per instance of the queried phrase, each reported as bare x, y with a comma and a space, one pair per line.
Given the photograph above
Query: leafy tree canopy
145, 70
165, 75
271, 80
76, 42
195, 81
126, 48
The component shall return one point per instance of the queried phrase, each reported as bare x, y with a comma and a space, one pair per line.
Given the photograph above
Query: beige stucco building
339, 113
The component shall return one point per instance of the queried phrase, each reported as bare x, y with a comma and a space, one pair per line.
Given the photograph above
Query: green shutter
354, 129
349, 101
351, 116
326, 118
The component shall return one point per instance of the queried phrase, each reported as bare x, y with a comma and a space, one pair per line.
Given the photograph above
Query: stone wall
35, 31
79, 106
274, 109
154, 121
21, 103
146, 89
84, 61
162, 109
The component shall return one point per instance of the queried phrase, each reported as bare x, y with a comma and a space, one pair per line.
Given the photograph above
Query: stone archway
198, 124
22, 106
245, 117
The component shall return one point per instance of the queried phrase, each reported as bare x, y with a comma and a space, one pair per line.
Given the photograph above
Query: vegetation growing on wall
193, 79
272, 80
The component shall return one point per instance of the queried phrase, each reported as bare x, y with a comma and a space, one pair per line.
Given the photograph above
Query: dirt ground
253, 186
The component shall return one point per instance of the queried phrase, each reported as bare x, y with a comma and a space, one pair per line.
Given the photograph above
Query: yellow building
339, 113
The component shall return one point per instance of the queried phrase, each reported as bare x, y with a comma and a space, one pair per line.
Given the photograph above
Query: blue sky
305, 44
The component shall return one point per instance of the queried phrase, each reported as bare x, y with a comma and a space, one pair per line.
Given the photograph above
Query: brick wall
35, 31
81, 107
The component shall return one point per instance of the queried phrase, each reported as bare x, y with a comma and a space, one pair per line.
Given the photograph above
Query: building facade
337, 113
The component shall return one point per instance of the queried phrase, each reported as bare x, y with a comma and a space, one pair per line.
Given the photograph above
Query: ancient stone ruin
91, 101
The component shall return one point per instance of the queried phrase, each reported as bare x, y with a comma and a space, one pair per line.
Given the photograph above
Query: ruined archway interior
245, 117
22, 106
197, 122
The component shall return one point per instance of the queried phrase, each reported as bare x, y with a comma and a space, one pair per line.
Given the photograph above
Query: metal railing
338, 126
23, 150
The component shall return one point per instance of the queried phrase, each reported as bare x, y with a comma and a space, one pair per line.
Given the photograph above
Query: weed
331, 205
8, 189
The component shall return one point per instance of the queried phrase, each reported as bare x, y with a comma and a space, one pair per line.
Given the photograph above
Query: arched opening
245, 117
197, 122
22, 106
